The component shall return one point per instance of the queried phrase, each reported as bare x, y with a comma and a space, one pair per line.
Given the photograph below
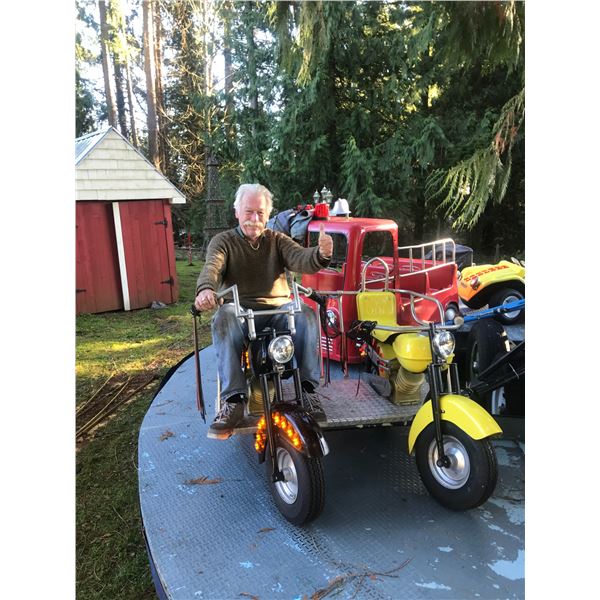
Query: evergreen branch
468, 187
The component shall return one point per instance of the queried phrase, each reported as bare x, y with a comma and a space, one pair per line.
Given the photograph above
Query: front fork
435, 387
271, 437
264, 384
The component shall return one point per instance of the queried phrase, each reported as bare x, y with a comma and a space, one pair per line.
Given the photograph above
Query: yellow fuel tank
413, 351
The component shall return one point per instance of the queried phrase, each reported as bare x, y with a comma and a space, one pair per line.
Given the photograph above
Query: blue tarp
292, 222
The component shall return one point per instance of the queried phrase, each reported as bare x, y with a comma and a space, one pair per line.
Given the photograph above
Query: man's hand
325, 243
205, 300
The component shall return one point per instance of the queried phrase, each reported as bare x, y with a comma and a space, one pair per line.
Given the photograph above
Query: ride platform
347, 403
213, 530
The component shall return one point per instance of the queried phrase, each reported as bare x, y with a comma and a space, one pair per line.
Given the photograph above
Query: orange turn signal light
260, 437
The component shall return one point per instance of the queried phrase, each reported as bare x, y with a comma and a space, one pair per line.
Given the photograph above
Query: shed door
147, 242
97, 278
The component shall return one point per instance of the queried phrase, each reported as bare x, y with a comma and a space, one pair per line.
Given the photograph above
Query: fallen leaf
204, 480
249, 596
265, 529
165, 435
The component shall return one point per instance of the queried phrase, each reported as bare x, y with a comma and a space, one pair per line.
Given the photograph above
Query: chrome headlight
281, 349
443, 344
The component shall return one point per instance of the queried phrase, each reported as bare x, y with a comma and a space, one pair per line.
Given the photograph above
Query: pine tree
87, 110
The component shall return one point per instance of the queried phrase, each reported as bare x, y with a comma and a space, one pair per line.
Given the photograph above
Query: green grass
111, 556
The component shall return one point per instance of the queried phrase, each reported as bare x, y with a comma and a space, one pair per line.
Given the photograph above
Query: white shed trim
121, 255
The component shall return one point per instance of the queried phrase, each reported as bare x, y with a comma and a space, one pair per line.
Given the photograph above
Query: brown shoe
228, 418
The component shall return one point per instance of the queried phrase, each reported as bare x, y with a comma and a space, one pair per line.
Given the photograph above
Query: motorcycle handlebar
248, 315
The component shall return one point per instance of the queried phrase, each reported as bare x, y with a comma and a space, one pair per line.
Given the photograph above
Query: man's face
252, 215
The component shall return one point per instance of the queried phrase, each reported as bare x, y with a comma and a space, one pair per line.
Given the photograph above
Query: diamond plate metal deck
347, 404
213, 530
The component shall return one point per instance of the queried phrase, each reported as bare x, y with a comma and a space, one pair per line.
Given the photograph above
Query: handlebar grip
318, 298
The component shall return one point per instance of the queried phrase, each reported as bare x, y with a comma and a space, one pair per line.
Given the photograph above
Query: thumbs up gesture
325, 243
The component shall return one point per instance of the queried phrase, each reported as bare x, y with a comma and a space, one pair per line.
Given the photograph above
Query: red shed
125, 254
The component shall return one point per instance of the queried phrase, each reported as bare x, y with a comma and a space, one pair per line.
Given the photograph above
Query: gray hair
254, 189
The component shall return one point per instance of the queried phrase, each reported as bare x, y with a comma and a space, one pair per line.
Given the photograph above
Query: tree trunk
228, 74
122, 70
120, 97
251, 66
160, 98
148, 43
108, 92
208, 22
132, 127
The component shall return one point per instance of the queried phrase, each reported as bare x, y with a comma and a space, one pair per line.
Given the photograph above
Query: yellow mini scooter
450, 433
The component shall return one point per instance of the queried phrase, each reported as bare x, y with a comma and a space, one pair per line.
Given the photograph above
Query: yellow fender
469, 416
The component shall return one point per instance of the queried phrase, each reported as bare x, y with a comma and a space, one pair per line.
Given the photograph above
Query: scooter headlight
443, 344
281, 349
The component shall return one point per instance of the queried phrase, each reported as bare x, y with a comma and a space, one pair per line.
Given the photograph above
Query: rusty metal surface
213, 530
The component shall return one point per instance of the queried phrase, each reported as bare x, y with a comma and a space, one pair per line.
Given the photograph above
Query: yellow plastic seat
377, 306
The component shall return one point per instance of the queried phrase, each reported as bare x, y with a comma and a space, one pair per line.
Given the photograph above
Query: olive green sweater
260, 273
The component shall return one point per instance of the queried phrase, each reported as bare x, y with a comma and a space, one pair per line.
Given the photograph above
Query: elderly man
255, 259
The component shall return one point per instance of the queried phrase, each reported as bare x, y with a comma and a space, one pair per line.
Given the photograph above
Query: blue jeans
229, 338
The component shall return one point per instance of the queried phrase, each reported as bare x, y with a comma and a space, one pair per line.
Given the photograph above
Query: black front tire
487, 341
504, 296
301, 497
471, 477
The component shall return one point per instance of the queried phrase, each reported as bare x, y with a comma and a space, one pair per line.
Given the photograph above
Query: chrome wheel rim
451, 313
457, 474
288, 488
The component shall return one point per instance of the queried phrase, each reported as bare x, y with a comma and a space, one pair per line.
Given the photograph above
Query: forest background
411, 110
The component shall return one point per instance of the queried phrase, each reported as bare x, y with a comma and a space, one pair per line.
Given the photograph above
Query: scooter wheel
301, 496
505, 296
470, 478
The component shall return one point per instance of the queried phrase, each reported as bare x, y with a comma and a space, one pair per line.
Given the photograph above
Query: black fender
308, 430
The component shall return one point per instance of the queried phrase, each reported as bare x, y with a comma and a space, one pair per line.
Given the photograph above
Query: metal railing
412, 295
444, 242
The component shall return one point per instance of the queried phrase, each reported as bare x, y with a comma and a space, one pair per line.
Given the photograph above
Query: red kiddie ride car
360, 242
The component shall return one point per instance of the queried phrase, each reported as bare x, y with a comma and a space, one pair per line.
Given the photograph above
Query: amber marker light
260, 437
282, 423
